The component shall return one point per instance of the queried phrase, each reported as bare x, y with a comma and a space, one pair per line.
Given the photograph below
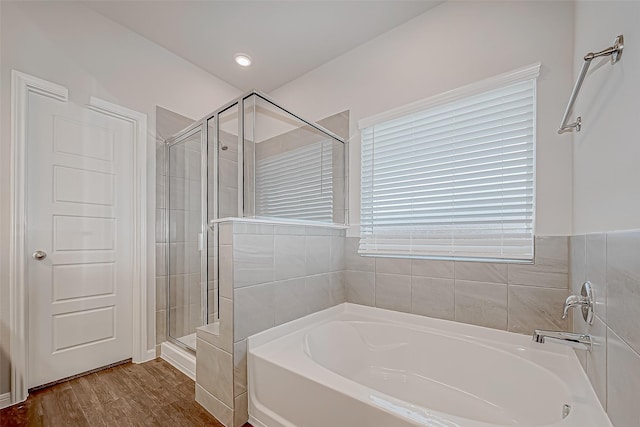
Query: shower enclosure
249, 159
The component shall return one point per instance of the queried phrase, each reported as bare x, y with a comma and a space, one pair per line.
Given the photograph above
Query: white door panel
80, 212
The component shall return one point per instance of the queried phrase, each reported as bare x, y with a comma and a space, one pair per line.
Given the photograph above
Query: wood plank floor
147, 394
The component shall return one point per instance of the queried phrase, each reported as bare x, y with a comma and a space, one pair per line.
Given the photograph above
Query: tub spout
579, 341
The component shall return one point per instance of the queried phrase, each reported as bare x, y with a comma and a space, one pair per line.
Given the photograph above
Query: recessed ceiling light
242, 59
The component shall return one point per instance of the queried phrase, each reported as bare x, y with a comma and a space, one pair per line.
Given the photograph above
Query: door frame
21, 86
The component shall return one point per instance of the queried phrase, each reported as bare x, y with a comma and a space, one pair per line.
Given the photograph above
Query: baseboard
180, 359
5, 400
151, 354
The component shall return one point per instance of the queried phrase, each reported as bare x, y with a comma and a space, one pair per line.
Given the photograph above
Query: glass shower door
187, 248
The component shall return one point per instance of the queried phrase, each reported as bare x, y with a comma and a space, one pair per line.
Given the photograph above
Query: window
453, 177
296, 184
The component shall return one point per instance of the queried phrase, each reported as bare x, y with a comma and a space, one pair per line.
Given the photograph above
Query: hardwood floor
148, 394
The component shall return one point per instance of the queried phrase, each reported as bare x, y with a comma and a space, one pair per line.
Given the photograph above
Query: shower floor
188, 340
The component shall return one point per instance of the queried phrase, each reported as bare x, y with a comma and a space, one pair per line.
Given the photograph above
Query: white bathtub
352, 365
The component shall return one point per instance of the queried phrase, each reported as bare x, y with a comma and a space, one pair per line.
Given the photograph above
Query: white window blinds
296, 184
453, 181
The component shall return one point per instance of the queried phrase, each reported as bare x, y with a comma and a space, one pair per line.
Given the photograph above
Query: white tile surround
611, 262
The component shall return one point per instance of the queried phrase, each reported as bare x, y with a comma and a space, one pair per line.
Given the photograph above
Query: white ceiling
286, 39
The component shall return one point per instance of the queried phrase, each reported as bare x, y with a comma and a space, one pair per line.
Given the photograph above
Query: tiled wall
184, 225
514, 297
269, 274
611, 262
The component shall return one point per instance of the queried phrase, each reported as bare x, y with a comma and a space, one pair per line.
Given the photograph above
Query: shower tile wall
167, 124
185, 201
269, 275
513, 297
611, 262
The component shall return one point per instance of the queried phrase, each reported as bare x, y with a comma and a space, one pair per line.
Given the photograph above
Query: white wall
607, 149
73, 46
452, 45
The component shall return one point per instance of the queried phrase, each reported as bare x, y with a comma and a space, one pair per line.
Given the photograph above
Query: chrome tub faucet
580, 341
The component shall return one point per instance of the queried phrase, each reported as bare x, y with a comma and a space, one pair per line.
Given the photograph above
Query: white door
79, 239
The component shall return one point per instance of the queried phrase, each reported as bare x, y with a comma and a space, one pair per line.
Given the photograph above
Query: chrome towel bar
615, 52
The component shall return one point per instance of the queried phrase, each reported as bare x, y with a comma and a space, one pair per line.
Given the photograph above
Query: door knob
39, 255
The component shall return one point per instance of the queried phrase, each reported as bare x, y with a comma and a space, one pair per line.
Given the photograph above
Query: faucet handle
573, 301
585, 300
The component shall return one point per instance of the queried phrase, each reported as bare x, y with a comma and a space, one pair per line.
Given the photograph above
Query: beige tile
194, 163
241, 410
225, 271
253, 228
225, 233
354, 261
317, 231
337, 262
432, 268
481, 272
577, 262
579, 326
228, 173
178, 290
177, 161
214, 371
597, 359
195, 196
228, 202
239, 368
551, 267
393, 266
317, 254
177, 321
290, 230
161, 293
433, 297
161, 259
393, 292
195, 289
290, 298
623, 286
195, 317
253, 310
220, 333
481, 303
623, 382
596, 271
178, 194
177, 225
215, 407
532, 308
360, 287
161, 326
289, 257
252, 259
178, 258
318, 292
338, 290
